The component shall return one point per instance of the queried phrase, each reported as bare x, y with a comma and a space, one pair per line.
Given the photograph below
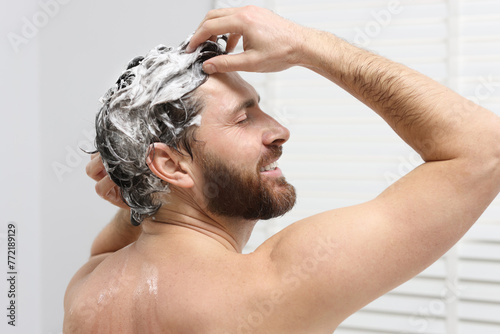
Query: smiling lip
271, 166
271, 170
271, 161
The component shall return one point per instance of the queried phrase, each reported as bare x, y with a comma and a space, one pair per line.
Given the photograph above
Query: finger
214, 27
114, 194
216, 13
115, 197
229, 63
104, 186
232, 41
95, 169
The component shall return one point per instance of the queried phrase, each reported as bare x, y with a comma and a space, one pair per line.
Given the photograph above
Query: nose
274, 133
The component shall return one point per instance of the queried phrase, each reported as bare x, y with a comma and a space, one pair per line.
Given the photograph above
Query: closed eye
245, 105
242, 119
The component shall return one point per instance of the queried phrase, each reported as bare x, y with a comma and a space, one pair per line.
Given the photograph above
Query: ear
168, 164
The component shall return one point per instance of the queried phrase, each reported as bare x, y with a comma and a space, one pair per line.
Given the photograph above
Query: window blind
340, 153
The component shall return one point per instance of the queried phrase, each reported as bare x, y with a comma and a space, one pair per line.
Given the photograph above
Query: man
182, 271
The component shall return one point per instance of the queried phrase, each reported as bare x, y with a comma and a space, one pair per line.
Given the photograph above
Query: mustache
273, 153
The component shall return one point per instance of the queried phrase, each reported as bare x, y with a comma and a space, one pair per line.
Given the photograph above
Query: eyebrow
249, 103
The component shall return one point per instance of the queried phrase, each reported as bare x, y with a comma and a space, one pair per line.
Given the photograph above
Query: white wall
50, 88
20, 169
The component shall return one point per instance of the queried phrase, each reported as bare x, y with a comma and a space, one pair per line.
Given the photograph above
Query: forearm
438, 123
116, 235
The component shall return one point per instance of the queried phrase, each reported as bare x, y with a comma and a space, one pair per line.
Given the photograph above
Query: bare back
171, 286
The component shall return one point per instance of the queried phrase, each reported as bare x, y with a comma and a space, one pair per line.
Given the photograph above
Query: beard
243, 193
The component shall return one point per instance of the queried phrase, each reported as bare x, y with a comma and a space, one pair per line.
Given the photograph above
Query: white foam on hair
162, 76
152, 101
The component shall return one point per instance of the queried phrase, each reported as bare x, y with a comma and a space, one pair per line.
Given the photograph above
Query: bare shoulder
75, 294
100, 295
82, 274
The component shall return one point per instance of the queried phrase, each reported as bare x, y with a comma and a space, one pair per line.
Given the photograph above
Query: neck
182, 211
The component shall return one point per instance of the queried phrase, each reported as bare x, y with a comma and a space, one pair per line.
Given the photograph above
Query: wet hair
152, 101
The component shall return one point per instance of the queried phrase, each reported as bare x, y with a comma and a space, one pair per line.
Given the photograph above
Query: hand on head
269, 41
104, 187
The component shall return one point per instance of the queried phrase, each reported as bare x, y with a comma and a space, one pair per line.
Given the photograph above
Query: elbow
492, 147
486, 153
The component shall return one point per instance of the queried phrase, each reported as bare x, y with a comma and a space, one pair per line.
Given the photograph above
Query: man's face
237, 152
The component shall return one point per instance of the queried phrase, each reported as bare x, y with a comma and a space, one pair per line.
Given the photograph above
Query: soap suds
152, 101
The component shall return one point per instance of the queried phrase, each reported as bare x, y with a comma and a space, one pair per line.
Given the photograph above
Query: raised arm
119, 232
381, 244
336, 262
